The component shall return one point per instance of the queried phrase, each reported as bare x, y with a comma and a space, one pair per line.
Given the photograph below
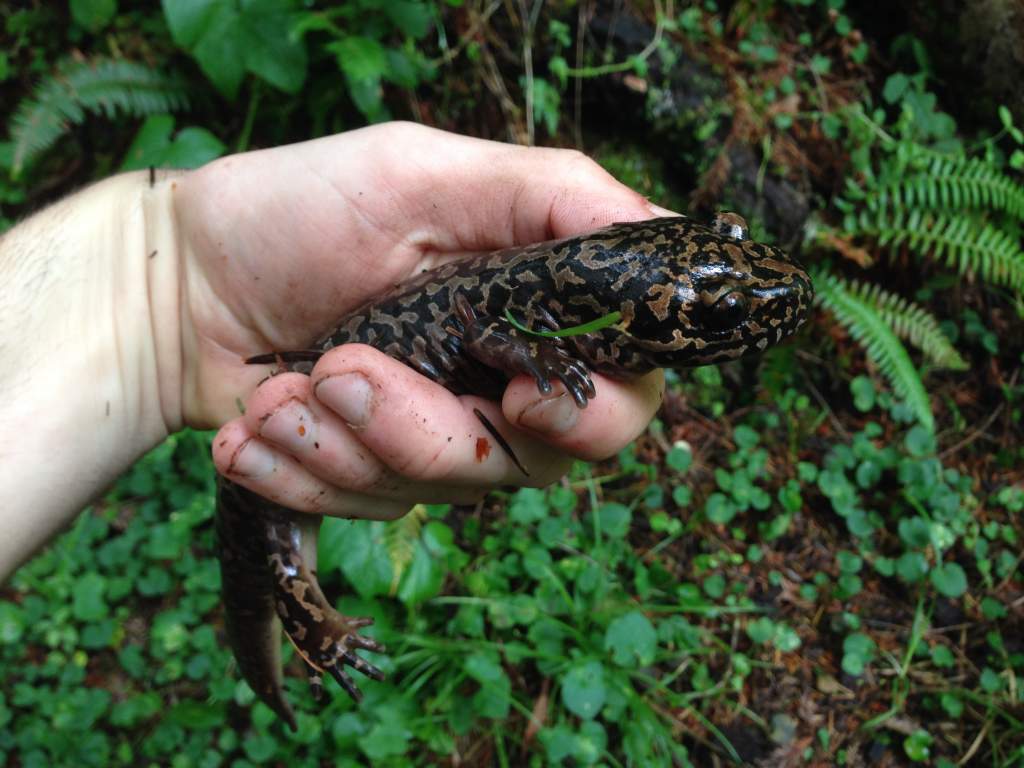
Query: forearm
80, 400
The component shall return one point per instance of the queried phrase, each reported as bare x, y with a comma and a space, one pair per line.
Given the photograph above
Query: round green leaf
680, 456
12, 623
949, 579
528, 505
93, 15
357, 548
591, 742
918, 745
559, 742
719, 509
87, 598
614, 519
863, 391
632, 640
583, 689
361, 58
746, 437
911, 567
714, 585
423, 578
942, 657
385, 740
761, 630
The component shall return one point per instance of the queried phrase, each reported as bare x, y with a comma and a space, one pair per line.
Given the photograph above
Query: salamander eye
726, 312
731, 225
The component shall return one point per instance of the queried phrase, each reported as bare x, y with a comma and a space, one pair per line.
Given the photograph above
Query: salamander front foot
497, 343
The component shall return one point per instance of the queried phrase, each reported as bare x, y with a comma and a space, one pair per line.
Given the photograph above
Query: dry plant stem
974, 435
585, 9
529, 22
629, 63
479, 21
496, 85
976, 744
823, 403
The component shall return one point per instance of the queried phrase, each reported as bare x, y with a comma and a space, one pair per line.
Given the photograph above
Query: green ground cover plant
811, 559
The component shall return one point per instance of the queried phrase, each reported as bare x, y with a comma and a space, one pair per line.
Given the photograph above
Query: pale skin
126, 312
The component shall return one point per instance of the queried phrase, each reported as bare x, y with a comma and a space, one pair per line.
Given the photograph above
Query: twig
577, 117
975, 434
465, 39
496, 85
975, 744
529, 20
630, 62
836, 424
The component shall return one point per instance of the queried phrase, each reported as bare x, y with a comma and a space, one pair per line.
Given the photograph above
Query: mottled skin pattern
689, 294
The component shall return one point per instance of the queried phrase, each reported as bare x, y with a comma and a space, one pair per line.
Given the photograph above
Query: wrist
80, 390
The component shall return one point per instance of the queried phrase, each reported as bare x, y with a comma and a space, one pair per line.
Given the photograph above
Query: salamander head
710, 294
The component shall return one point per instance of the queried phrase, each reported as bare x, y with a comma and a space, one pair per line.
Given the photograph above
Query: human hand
277, 245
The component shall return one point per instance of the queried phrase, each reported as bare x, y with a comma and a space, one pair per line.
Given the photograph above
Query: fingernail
348, 395
253, 460
291, 426
554, 416
657, 210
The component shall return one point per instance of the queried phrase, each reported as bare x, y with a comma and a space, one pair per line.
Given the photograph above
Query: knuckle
362, 476
277, 390
226, 444
549, 473
343, 359
437, 462
400, 130
580, 165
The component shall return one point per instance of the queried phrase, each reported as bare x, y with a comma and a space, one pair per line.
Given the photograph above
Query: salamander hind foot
330, 646
326, 640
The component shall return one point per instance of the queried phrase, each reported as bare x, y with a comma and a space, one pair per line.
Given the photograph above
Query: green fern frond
101, 86
953, 183
961, 241
400, 539
867, 326
909, 321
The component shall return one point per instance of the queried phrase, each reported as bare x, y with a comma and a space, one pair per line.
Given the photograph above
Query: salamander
687, 294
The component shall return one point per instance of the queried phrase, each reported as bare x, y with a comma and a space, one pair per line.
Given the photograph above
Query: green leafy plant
871, 315
918, 189
229, 39
373, 42
158, 145
694, 600
933, 210
100, 86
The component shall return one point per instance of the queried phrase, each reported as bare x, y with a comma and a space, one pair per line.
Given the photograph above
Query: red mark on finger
302, 430
483, 448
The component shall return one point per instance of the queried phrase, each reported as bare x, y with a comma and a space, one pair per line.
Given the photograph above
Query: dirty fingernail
349, 395
555, 416
291, 426
254, 460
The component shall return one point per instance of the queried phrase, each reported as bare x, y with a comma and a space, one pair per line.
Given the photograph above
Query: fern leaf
948, 182
960, 241
867, 326
102, 86
909, 321
400, 541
